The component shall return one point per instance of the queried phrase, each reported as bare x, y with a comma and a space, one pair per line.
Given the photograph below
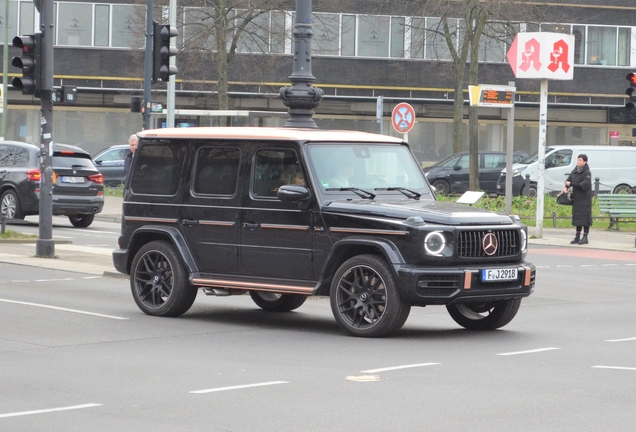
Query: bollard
597, 184
3, 219
553, 219
526, 186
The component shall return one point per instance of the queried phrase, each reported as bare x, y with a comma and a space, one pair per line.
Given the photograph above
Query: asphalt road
77, 355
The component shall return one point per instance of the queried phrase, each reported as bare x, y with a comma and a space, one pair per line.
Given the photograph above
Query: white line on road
218, 389
16, 414
621, 340
609, 265
53, 280
563, 266
63, 309
528, 352
398, 367
615, 367
589, 265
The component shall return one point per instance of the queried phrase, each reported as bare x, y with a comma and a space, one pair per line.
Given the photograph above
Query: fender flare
171, 233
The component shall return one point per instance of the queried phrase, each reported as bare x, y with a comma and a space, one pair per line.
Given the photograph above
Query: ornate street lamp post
302, 98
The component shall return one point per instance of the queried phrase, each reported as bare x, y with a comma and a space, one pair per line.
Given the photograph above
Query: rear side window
114, 155
216, 171
494, 160
11, 156
157, 167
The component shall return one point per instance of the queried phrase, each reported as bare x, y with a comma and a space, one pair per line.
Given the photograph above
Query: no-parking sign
403, 117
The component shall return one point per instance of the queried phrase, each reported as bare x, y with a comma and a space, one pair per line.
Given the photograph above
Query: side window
494, 160
272, 169
216, 171
157, 167
451, 163
114, 155
11, 156
559, 159
464, 162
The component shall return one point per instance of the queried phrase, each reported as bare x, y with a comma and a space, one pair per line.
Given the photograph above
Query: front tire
622, 189
365, 299
484, 316
277, 302
159, 281
442, 187
82, 220
10, 205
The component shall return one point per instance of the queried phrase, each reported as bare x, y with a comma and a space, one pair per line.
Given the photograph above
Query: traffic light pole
45, 247
145, 109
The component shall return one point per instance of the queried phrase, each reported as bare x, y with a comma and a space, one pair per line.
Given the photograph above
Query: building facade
358, 55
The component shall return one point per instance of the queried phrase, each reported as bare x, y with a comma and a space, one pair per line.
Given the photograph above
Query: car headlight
517, 171
434, 243
524, 240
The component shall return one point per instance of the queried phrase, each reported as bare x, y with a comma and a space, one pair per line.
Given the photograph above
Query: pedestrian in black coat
132, 142
580, 181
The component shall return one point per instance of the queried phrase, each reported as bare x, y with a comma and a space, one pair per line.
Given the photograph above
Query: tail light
96, 178
34, 175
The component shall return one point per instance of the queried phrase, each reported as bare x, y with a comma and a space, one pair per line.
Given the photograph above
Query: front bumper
517, 184
442, 285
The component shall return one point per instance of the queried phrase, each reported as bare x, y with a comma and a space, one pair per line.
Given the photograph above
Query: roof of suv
290, 134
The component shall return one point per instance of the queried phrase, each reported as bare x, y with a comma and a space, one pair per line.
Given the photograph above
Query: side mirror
457, 167
293, 193
97, 162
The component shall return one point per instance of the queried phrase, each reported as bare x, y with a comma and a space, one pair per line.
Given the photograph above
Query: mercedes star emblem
489, 243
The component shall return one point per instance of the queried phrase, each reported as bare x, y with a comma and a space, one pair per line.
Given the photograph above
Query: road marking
609, 265
528, 352
218, 389
91, 277
64, 309
615, 367
20, 281
621, 340
16, 414
562, 266
589, 265
363, 378
53, 280
398, 367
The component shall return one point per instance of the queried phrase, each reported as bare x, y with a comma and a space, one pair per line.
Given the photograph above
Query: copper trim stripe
149, 219
220, 283
285, 227
368, 231
319, 229
468, 275
217, 223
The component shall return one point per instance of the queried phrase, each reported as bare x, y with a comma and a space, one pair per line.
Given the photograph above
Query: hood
430, 211
514, 167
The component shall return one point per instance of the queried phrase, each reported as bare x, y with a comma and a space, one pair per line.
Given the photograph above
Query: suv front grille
470, 243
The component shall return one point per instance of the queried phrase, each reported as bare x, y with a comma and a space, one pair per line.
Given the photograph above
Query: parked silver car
110, 163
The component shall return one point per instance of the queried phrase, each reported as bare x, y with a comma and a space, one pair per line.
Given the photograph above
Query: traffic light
631, 92
162, 51
30, 62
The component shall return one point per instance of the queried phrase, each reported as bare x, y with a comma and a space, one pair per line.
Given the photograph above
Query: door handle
189, 222
251, 225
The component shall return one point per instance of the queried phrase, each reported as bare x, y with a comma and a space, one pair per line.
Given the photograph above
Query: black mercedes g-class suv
286, 213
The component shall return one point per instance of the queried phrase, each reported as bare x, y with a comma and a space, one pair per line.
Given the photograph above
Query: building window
255, 37
348, 32
27, 18
397, 37
373, 36
75, 24
624, 46
198, 29
13, 13
278, 33
123, 28
579, 44
436, 45
601, 46
326, 30
418, 28
102, 25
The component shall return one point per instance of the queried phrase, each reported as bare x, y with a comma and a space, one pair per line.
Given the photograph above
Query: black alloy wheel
365, 299
159, 281
442, 187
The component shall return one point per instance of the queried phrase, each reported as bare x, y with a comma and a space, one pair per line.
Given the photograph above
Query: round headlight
524, 240
434, 243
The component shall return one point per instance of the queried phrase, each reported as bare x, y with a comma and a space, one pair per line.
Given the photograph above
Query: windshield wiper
360, 192
408, 192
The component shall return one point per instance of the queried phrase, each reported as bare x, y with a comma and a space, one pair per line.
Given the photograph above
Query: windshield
374, 168
534, 156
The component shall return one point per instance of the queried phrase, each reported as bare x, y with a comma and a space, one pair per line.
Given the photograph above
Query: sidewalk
98, 261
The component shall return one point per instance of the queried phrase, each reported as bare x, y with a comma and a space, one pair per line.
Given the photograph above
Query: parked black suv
288, 213
451, 175
78, 190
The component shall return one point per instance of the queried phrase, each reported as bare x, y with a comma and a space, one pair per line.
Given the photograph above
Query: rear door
460, 174
276, 236
210, 211
111, 165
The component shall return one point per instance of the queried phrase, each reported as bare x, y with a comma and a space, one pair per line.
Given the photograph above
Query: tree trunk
221, 55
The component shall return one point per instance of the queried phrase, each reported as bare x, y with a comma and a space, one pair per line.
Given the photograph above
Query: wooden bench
617, 206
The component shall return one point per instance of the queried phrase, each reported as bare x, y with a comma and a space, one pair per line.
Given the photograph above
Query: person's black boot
584, 239
577, 239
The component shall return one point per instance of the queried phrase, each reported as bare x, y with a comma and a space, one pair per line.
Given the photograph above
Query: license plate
493, 275
67, 179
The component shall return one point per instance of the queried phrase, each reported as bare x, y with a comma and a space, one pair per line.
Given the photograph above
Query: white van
615, 167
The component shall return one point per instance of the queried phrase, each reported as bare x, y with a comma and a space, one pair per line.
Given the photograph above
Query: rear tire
159, 281
10, 205
442, 187
623, 189
81, 221
277, 302
484, 316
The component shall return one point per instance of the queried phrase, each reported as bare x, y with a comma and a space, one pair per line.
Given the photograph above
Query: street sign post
545, 56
